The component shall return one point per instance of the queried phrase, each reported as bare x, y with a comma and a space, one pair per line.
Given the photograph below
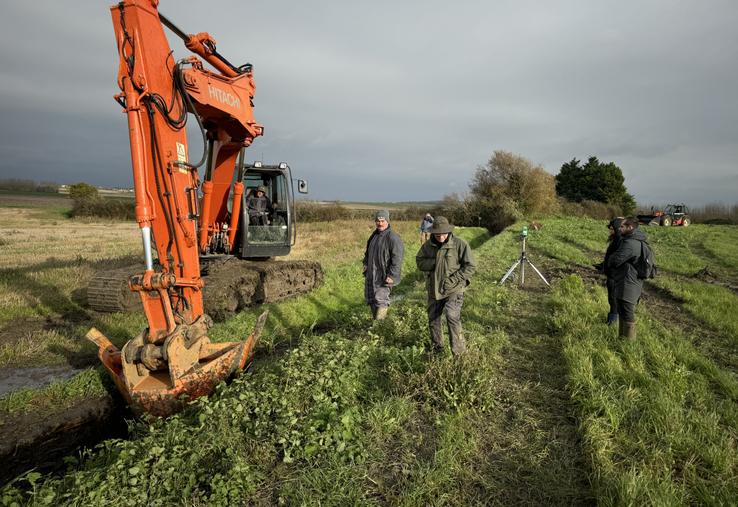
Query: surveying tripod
522, 261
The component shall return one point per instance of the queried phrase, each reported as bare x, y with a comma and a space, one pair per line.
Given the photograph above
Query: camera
524, 232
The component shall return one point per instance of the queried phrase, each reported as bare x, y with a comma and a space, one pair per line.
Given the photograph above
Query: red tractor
673, 214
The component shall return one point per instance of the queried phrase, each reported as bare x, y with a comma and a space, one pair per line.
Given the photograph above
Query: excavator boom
173, 359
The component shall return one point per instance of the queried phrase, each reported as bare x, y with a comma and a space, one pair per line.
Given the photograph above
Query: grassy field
547, 407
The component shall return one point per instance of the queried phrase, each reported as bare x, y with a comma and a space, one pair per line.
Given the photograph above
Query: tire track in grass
726, 268
536, 453
665, 307
669, 310
531, 453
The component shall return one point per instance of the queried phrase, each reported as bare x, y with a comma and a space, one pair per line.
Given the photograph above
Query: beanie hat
382, 213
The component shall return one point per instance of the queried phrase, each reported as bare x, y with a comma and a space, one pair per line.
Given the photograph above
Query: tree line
20, 185
509, 187
87, 202
505, 189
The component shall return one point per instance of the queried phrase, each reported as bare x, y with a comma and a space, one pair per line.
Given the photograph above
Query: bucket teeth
259, 326
193, 368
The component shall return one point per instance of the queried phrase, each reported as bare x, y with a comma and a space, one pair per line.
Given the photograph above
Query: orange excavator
238, 212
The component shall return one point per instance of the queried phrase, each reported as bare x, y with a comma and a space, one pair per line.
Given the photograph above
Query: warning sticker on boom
182, 156
181, 152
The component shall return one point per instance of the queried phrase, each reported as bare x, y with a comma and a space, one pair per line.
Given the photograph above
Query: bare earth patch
40, 441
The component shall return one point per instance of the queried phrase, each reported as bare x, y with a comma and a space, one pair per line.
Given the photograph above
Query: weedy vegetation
547, 407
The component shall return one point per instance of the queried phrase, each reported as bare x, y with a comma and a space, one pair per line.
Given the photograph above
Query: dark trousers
258, 219
626, 310
376, 296
452, 307
611, 296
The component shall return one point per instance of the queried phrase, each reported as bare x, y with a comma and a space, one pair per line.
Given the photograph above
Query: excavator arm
173, 360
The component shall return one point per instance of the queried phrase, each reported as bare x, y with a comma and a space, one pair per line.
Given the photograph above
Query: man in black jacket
259, 207
614, 243
628, 286
382, 265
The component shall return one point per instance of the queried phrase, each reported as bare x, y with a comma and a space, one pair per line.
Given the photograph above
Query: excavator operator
259, 206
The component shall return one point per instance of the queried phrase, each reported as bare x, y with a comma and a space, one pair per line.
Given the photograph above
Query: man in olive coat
382, 265
448, 263
627, 285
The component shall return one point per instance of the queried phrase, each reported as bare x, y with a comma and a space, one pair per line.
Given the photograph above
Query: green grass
712, 305
58, 395
660, 421
42, 206
548, 407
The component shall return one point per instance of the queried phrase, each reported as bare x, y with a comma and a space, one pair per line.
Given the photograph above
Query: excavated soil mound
231, 285
40, 441
234, 284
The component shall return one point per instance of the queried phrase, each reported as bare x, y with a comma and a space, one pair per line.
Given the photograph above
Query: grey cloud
402, 100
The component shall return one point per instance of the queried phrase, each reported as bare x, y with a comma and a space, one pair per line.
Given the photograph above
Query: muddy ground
40, 441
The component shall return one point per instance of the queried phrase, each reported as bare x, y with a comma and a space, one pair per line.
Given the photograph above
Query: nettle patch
307, 406
304, 409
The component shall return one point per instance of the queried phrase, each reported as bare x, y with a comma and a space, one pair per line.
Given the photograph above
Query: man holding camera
627, 285
448, 263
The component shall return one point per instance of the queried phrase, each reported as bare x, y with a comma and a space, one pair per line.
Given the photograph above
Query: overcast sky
397, 101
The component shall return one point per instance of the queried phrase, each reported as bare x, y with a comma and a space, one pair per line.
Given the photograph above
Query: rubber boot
612, 318
374, 311
630, 330
381, 313
621, 328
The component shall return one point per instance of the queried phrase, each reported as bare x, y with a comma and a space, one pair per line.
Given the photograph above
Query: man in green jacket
448, 263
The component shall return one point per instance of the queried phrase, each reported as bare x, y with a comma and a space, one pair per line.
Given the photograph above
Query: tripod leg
509, 272
539, 273
522, 271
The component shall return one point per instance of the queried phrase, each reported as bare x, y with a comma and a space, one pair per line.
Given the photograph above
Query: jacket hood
638, 234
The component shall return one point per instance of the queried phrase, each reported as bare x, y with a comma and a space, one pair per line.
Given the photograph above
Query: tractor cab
676, 209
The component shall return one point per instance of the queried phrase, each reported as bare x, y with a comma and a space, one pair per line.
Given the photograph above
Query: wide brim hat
441, 226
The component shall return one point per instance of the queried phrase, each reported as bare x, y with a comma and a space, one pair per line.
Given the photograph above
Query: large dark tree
595, 181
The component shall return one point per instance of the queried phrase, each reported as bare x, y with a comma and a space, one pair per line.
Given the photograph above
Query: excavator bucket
161, 380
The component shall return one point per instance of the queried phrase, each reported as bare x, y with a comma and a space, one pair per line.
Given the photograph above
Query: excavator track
108, 291
231, 285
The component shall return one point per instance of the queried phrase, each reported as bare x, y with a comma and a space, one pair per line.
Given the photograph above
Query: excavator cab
267, 223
